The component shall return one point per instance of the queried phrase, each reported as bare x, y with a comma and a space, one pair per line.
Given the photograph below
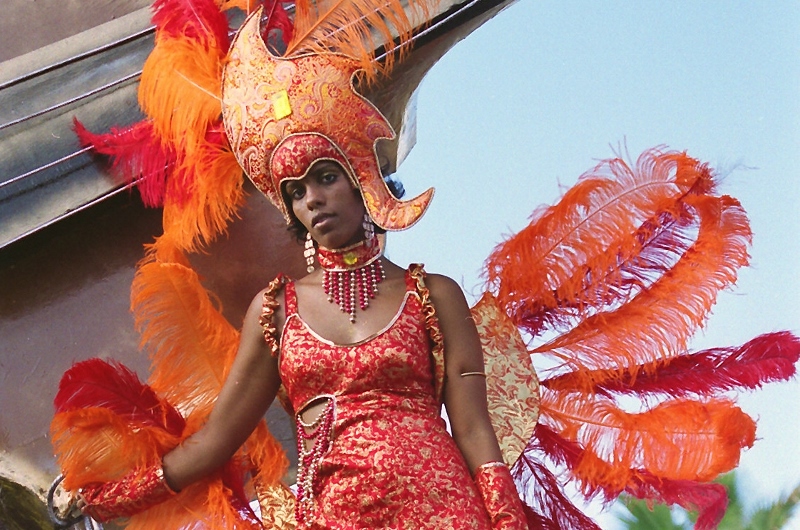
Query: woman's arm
465, 399
245, 397
464, 396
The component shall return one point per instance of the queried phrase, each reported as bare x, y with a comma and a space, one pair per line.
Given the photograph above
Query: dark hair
299, 231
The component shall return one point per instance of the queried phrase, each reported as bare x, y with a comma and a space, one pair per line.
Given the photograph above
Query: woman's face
326, 203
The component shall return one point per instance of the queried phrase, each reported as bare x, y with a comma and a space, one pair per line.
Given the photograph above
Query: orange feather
189, 342
567, 261
191, 346
180, 90
214, 195
95, 444
679, 440
357, 28
658, 323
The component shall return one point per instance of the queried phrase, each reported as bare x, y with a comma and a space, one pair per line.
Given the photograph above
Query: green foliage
21, 509
642, 516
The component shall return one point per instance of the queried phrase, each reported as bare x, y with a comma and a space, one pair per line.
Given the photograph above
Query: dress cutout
392, 463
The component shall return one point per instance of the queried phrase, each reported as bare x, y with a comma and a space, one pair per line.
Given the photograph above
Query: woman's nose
314, 196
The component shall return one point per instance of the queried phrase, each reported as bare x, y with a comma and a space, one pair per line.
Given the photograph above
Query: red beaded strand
343, 287
321, 432
351, 275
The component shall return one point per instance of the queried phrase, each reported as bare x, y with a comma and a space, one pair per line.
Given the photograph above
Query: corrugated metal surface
44, 175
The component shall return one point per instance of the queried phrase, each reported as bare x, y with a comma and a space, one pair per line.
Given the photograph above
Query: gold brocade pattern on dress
512, 388
392, 463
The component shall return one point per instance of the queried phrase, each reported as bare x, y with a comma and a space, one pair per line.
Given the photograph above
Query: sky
516, 112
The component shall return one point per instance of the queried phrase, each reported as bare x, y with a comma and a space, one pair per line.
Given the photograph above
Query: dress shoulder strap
268, 307
417, 274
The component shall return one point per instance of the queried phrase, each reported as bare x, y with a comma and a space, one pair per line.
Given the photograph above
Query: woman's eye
296, 193
329, 177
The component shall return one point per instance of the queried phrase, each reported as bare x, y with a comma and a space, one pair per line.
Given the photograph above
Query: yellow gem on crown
280, 104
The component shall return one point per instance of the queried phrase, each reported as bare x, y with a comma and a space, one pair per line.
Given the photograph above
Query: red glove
134, 493
500, 496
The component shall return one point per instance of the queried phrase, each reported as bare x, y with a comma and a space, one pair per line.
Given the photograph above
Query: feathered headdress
282, 114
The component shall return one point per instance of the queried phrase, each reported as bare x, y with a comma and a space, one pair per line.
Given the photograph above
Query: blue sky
533, 98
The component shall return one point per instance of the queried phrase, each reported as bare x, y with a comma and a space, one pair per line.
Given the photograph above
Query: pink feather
191, 19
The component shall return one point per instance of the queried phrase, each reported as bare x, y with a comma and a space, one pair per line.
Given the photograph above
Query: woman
367, 369
351, 343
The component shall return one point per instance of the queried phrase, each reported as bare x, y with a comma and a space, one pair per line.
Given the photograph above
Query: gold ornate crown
283, 114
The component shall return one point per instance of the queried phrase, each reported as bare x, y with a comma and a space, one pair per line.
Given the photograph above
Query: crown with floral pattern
282, 115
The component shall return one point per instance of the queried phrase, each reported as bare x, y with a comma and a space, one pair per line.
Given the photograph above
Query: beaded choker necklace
350, 273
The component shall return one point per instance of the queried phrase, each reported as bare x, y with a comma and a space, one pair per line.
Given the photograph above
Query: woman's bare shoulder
439, 283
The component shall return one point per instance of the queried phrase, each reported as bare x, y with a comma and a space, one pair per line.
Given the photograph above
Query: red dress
391, 463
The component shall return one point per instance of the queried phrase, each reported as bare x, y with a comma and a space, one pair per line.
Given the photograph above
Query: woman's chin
333, 239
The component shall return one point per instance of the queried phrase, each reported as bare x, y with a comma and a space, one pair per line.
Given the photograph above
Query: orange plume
180, 90
95, 444
569, 261
356, 28
678, 440
189, 342
658, 323
214, 194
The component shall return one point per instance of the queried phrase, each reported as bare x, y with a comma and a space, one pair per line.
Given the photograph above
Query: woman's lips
322, 219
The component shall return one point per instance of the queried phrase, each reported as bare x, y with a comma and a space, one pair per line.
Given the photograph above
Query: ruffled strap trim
267, 318
417, 273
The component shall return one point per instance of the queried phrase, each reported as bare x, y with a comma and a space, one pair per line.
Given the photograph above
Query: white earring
309, 253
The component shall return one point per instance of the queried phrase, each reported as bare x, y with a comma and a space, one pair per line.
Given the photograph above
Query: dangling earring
309, 253
369, 228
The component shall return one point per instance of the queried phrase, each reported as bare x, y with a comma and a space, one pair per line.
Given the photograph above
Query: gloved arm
134, 493
500, 496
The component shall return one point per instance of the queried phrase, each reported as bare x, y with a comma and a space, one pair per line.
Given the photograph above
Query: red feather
137, 156
279, 25
546, 505
708, 499
767, 358
191, 19
110, 385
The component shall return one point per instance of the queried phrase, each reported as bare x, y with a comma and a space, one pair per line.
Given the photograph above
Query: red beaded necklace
351, 272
